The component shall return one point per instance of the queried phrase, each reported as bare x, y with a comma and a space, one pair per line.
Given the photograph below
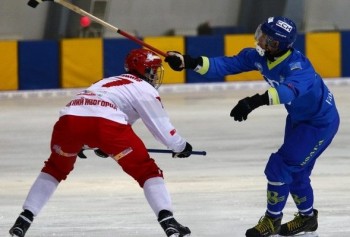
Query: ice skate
22, 224
267, 226
303, 225
171, 227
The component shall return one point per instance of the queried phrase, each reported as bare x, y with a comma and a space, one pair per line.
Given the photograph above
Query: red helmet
145, 64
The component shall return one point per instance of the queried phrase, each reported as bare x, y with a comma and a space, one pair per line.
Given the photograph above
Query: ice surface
221, 194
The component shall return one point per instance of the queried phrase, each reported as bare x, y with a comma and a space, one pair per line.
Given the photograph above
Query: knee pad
140, 169
59, 167
277, 170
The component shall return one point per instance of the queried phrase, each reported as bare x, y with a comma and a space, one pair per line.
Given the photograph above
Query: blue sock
276, 199
304, 199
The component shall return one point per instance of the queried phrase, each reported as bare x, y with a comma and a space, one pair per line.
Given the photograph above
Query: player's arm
273, 96
298, 80
155, 118
295, 84
212, 67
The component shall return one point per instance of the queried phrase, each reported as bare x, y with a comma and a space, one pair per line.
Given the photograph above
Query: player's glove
81, 154
100, 153
178, 62
185, 153
175, 60
245, 106
97, 151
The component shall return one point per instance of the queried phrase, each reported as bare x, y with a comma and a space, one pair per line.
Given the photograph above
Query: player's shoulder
296, 55
140, 85
298, 61
250, 55
248, 51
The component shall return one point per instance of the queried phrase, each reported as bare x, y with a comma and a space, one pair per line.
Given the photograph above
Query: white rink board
221, 194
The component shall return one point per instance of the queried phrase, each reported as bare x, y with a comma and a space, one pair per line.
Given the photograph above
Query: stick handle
202, 153
108, 26
137, 40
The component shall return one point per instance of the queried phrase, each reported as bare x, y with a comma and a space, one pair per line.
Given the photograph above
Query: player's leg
57, 167
312, 141
278, 176
277, 193
290, 158
302, 192
306, 218
134, 159
40, 192
158, 198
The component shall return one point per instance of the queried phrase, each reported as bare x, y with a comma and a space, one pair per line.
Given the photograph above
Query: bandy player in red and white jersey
101, 117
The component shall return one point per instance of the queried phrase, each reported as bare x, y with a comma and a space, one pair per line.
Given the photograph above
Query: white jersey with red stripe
124, 99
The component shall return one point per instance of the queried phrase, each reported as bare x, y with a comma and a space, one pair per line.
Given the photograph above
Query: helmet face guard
276, 33
154, 76
145, 64
264, 39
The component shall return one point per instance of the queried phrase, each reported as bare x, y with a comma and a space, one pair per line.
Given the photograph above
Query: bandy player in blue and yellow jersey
311, 123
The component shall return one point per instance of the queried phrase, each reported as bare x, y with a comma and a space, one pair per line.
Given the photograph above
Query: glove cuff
258, 100
192, 63
265, 99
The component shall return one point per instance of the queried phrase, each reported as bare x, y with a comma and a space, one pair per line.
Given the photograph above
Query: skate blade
308, 234
305, 234
177, 235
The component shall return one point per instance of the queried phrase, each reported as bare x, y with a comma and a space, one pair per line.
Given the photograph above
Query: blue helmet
280, 29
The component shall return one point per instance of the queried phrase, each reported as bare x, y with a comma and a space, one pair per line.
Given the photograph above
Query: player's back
112, 98
314, 101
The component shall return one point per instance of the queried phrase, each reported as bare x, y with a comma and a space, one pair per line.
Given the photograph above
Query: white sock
157, 195
40, 192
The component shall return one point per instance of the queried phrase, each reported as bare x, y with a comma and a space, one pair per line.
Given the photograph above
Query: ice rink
221, 194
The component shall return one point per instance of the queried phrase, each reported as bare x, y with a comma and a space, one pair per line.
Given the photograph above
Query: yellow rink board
81, 62
324, 52
8, 65
233, 45
172, 43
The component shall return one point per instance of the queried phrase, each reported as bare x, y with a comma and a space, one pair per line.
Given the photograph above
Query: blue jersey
299, 87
